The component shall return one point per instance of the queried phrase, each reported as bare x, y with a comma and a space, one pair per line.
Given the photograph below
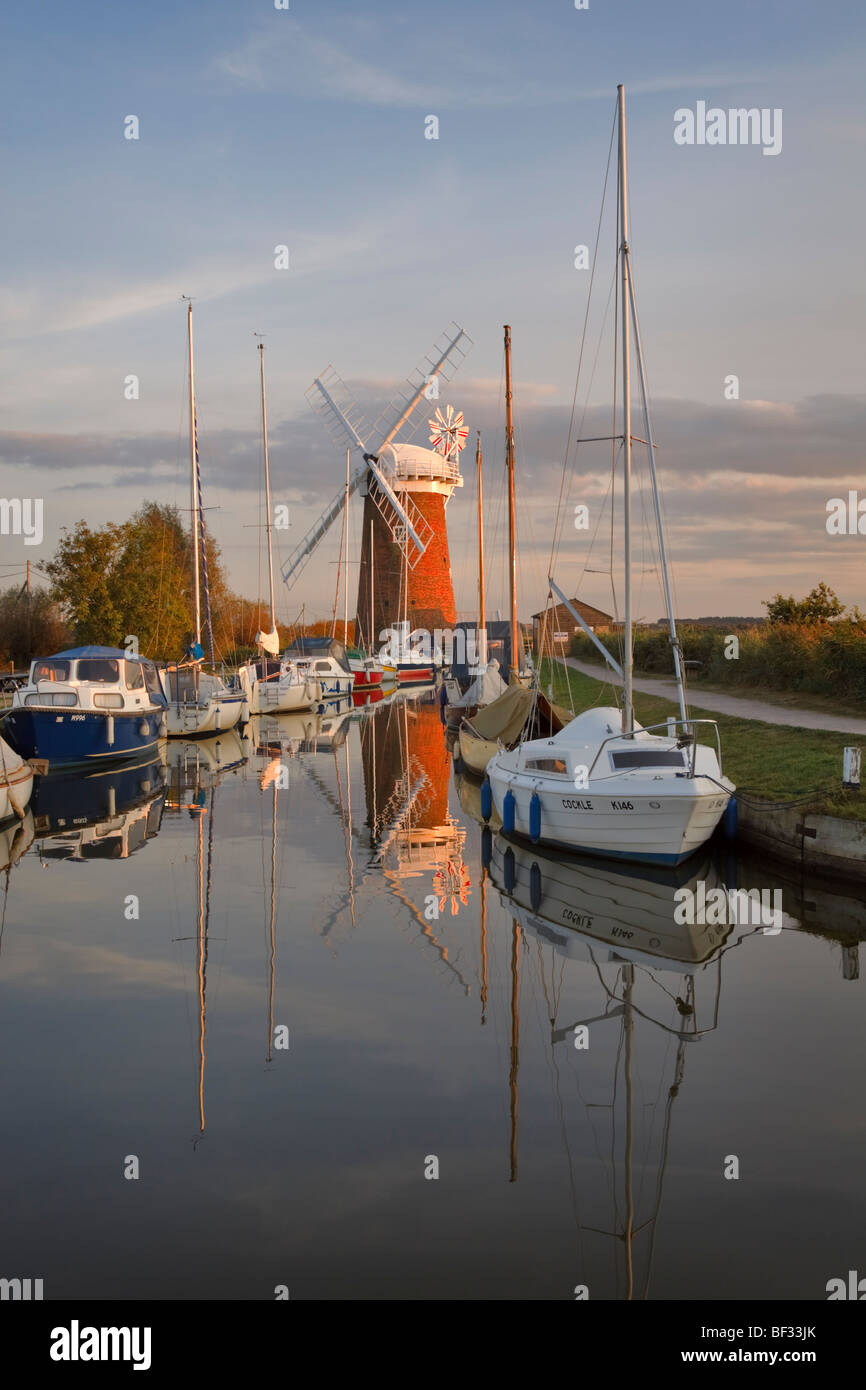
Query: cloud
298, 61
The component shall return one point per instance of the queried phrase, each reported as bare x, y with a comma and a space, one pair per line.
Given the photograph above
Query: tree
134, 579
819, 606
31, 624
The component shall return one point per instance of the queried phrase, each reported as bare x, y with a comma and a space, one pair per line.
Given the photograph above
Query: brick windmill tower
405, 572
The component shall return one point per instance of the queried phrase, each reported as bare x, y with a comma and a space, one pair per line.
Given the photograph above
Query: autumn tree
31, 624
133, 579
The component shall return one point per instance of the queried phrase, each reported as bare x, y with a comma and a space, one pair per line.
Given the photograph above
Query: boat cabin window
546, 765
151, 680
134, 676
323, 665
51, 671
101, 670
648, 757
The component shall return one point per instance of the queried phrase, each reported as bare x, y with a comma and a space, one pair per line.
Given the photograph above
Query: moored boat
653, 798
518, 712
323, 660
85, 705
605, 784
273, 685
16, 783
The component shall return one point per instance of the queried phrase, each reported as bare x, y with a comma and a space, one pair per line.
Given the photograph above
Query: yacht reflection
109, 814
615, 924
581, 905
302, 731
196, 765
16, 837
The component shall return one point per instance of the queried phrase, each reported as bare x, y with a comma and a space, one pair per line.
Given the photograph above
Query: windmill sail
331, 399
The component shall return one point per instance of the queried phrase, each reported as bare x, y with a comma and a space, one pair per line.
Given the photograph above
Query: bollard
851, 769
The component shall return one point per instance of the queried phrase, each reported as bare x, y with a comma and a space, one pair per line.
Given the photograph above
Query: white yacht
604, 784
652, 797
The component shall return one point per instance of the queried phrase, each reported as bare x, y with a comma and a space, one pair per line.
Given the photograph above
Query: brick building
561, 626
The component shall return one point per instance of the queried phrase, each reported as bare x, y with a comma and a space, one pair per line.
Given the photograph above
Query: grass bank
806, 662
769, 761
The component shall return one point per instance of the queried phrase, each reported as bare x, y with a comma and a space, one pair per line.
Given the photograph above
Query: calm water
271, 913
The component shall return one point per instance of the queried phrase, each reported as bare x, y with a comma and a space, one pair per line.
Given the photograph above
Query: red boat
367, 670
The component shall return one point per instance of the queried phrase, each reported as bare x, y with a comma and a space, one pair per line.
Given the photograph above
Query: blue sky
306, 127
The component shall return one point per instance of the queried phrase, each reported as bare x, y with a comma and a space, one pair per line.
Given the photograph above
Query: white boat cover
269, 640
484, 689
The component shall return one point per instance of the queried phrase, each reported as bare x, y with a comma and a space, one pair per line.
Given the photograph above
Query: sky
305, 127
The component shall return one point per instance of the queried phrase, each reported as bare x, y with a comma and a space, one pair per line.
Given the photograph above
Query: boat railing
670, 726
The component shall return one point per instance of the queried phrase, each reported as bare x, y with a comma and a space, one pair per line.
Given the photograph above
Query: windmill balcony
409, 464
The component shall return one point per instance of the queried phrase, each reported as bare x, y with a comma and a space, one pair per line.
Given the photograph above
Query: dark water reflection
320, 883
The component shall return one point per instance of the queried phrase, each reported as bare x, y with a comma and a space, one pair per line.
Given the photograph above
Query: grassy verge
766, 760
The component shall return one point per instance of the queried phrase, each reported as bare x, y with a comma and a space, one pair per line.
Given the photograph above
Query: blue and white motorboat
87, 705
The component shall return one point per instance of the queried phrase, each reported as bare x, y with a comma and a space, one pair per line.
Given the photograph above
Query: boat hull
654, 828
366, 679
15, 791
272, 697
190, 720
335, 687
414, 675
476, 752
83, 737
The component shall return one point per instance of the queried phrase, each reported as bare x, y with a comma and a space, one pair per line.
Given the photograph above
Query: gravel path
730, 704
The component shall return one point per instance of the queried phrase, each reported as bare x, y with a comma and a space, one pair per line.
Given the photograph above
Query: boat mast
514, 665
346, 572
669, 603
482, 625
193, 452
628, 709
267, 492
371, 643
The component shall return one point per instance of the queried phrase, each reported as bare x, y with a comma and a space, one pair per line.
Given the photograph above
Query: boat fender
508, 812
486, 799
535, 887
509, 873
729, 819
535, 818
144, 728
486, 847
109, 730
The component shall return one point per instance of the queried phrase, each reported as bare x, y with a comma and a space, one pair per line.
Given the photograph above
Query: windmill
387, 467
